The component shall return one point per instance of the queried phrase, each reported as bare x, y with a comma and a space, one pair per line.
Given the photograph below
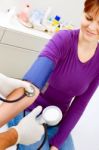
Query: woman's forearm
10, 110
8, 138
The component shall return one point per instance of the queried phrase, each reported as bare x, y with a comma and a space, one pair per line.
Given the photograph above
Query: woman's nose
93, 26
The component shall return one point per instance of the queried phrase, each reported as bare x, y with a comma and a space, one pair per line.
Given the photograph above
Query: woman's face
90, 27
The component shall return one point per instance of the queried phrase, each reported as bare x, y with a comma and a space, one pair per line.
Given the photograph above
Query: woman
73, 76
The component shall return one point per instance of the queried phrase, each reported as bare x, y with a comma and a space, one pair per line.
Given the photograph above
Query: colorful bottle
55, 21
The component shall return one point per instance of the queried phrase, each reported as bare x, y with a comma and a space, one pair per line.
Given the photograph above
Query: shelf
9, 21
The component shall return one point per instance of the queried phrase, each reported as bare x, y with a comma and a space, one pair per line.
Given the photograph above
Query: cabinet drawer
23, 40
15, 62
1, 33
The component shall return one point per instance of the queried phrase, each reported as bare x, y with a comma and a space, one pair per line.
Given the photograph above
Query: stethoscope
12, 101
29, 93
51, 116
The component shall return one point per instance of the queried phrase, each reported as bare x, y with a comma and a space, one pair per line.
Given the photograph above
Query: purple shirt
72, 83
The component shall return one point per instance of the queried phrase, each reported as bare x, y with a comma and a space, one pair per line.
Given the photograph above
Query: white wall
86, 132
70, 10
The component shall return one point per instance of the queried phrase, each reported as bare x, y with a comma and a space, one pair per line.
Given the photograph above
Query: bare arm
53, 148
8, 138
9, 111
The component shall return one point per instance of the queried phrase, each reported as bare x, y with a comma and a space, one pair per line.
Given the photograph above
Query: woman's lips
90, 33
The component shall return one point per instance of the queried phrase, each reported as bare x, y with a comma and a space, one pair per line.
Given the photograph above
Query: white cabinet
15, 61
1, 33
23, 40
19, 47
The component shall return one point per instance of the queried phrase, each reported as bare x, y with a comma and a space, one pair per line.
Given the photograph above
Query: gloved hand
29, 129
7, 85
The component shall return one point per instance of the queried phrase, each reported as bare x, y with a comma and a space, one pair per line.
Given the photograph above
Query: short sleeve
57, 47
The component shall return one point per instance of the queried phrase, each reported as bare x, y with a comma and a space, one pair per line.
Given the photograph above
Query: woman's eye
89, 19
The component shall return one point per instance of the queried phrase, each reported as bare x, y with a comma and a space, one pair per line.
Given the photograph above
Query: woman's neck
89, 45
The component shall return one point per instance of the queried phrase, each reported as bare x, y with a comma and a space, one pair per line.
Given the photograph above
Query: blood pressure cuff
40, 71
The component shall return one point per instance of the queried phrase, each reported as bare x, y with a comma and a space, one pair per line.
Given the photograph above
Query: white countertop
9, 21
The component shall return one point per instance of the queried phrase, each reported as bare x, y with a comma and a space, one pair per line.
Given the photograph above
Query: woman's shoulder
68, 33
66, 37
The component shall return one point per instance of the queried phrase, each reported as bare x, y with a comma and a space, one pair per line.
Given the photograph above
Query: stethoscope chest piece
51, 115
